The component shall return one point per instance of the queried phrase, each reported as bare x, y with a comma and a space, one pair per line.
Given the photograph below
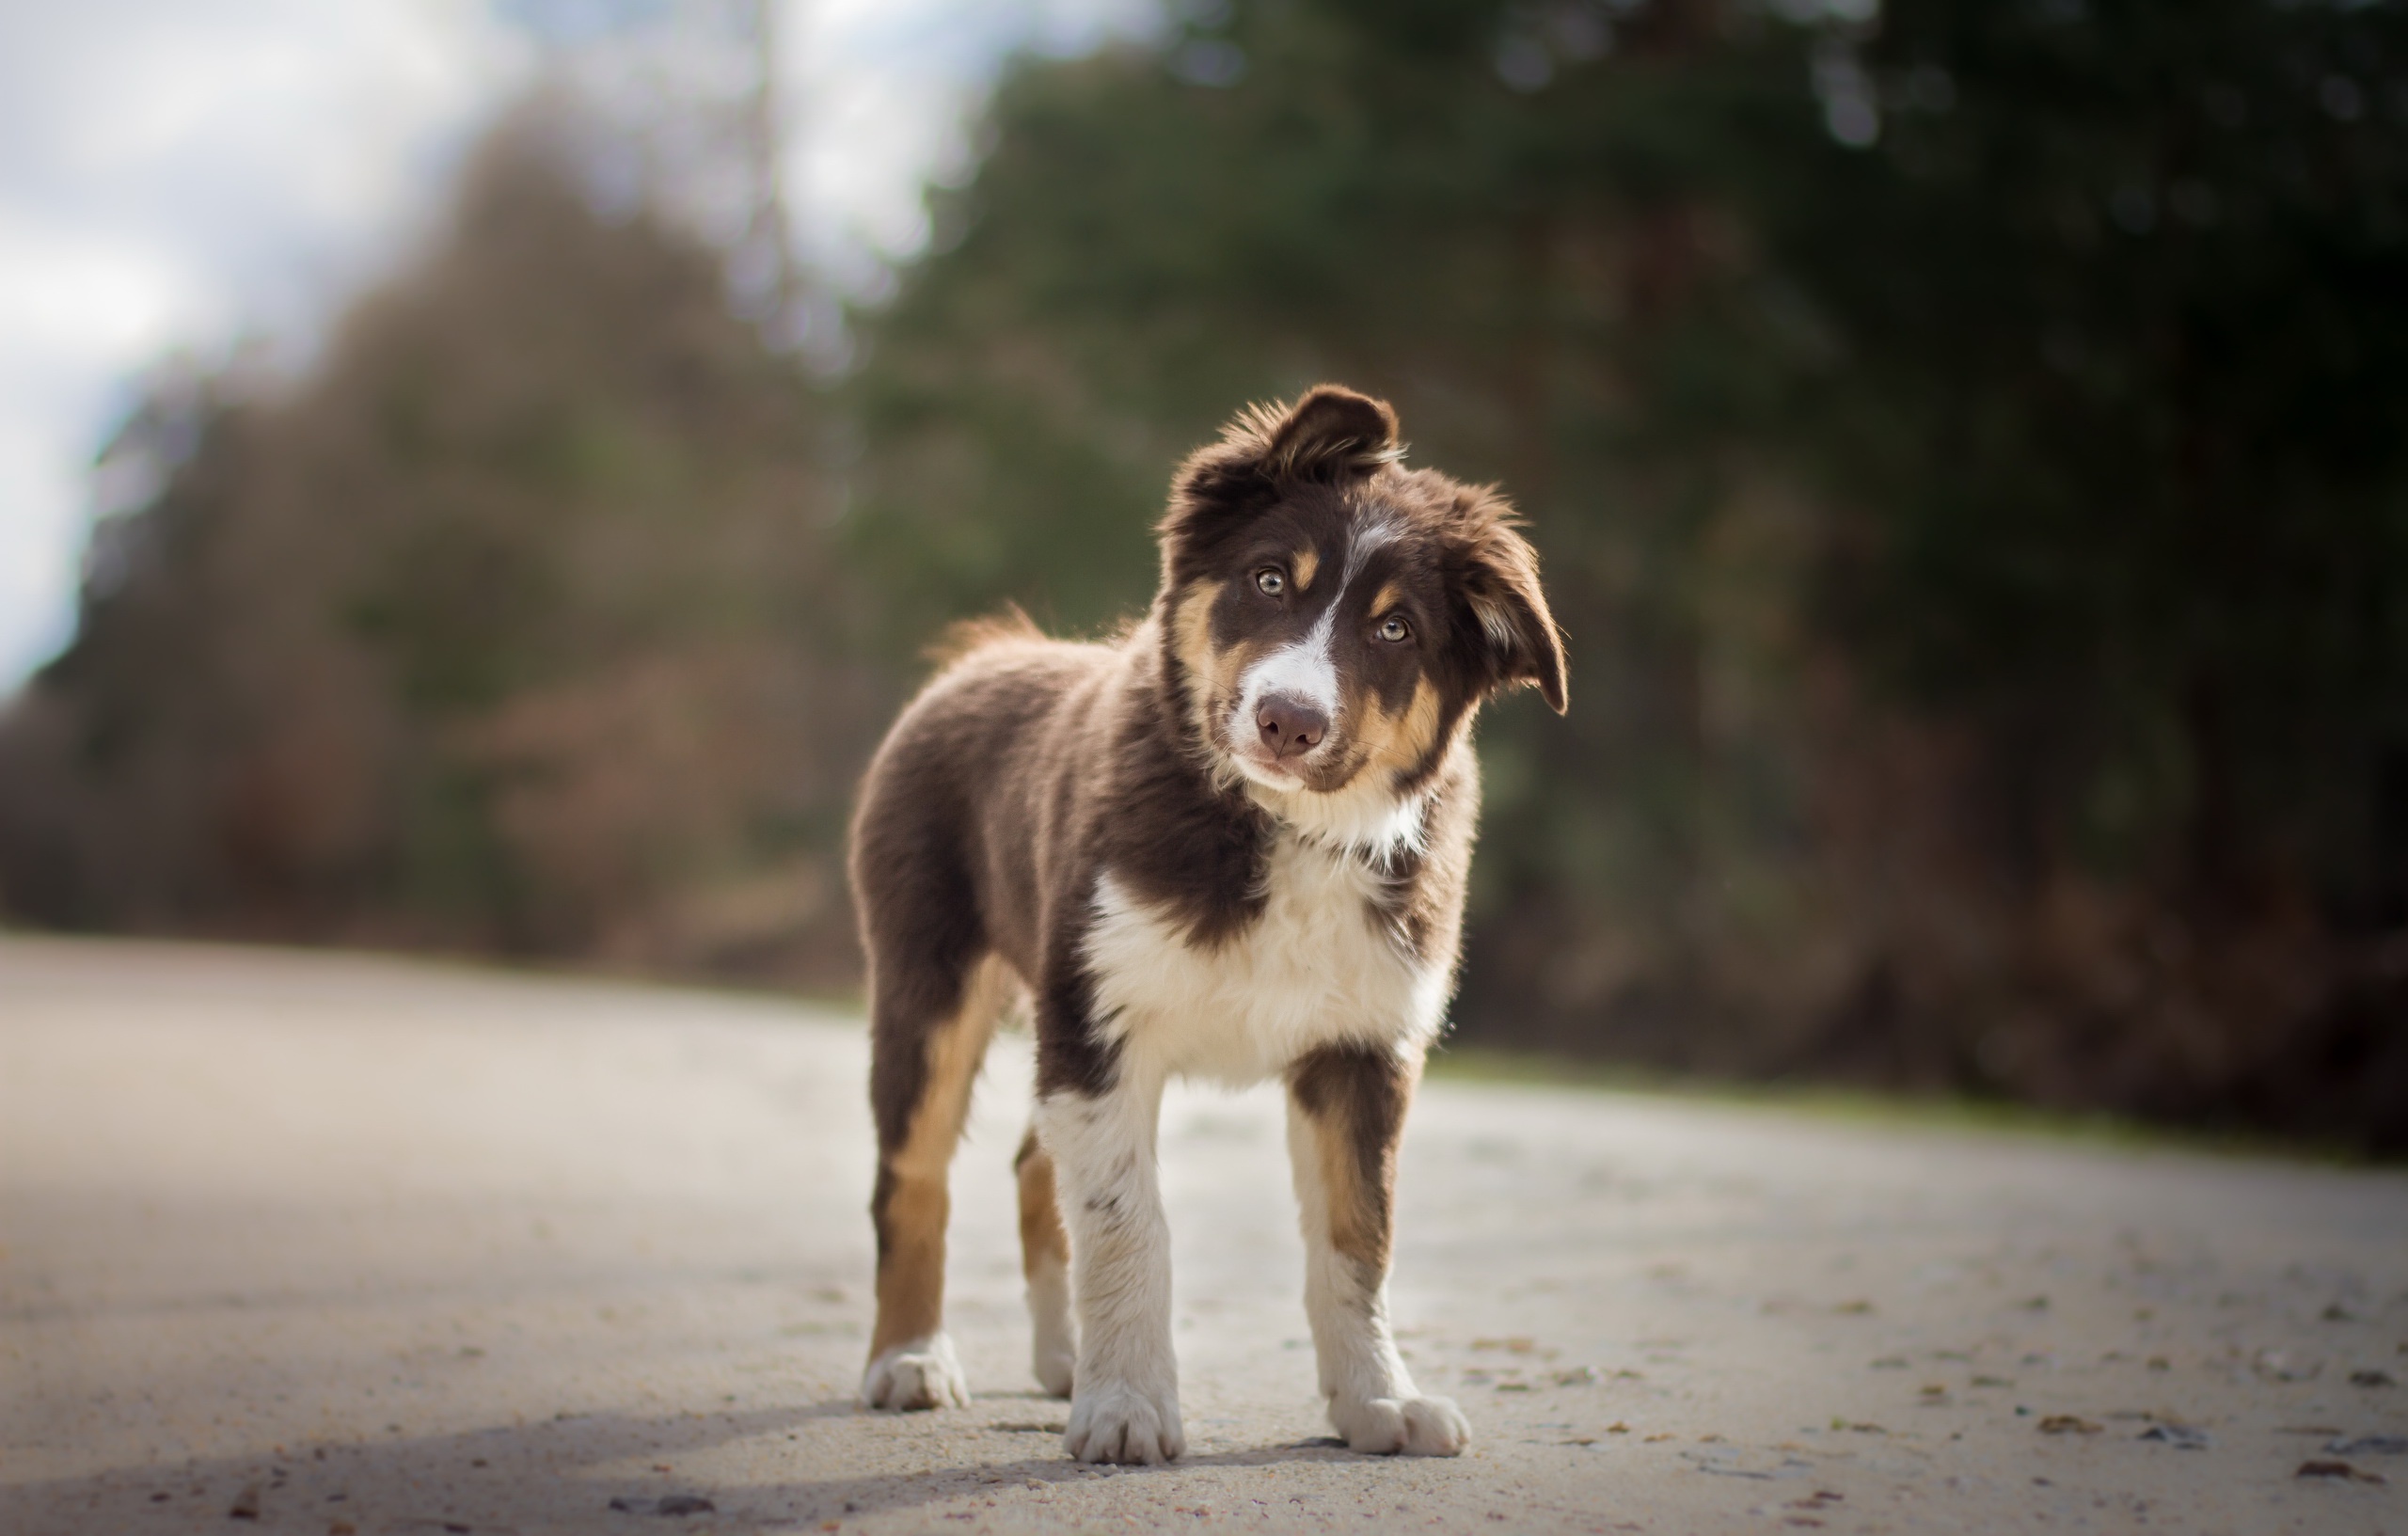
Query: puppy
1231, 845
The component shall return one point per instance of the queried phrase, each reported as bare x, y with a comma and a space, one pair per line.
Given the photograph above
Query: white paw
1416, 1426
1119, 1423
916, 1373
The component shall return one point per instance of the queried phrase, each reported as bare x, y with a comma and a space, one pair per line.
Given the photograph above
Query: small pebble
669, 1504
2342, 1470
2371, 1445
2180, 1437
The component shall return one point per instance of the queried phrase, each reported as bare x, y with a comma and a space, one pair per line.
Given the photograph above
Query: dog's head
1334, 619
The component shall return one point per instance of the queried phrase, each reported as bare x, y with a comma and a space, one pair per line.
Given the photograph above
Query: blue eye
1271, 580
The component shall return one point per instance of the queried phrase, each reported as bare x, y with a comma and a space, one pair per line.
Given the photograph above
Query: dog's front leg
1346, 1110
1125, 1391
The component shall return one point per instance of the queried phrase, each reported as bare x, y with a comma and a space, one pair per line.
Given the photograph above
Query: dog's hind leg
1045, 1258
928, 1041
1346, 1110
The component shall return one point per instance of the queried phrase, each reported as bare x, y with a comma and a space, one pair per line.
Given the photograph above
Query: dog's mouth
1320, 771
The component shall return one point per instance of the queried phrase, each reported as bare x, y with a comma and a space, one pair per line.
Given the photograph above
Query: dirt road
357, 1246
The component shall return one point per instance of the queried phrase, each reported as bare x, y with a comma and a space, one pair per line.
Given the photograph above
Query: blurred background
477, 478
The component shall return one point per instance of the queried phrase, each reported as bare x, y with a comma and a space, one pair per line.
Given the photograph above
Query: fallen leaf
2067, 1424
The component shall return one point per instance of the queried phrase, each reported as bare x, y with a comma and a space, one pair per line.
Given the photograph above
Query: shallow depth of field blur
1968, 441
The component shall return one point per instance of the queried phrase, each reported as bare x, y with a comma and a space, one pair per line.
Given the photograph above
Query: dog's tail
965, 636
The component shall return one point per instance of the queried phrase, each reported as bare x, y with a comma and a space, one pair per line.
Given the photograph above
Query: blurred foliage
512, 627
1966, 446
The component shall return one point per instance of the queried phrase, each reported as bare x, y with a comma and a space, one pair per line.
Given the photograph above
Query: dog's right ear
1332, 434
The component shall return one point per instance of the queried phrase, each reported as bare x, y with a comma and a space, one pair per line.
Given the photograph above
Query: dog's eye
1394, 629
1271, 580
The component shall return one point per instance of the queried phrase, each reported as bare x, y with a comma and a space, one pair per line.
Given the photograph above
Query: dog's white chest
1318, 966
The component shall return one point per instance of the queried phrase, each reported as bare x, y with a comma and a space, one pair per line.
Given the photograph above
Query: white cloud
173, 177
881, 91
176, 176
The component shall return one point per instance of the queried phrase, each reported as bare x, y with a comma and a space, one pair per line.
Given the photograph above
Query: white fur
916, 1373
1127, 1403
1366, 816
1364, 1383
1306, 669
1317, 967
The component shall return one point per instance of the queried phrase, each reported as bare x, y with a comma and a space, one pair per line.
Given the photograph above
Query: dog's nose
1289, 726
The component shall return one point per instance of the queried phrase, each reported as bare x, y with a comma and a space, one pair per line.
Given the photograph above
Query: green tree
1964, 446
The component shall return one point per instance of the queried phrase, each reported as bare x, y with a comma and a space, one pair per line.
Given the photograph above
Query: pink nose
1289, 726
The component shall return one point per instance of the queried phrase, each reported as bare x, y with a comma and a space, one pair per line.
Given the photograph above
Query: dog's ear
1508, 636
1331, 435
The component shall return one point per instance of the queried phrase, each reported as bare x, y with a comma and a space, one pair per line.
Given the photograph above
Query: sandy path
413, 1249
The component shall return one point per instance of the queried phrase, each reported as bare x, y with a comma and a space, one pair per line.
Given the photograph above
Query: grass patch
1856, 1105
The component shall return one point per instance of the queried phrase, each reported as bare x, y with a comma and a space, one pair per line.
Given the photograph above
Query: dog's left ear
1514, 638
1332, 434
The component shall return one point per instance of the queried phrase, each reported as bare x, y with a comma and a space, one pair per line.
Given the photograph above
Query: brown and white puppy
1230, 844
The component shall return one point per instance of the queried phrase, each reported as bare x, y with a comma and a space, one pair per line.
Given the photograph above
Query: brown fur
1042, 1236
1029, 768
1355, 1101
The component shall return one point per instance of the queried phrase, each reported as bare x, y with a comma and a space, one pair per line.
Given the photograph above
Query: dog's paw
916, 1373
1414, 1426
1119, 1423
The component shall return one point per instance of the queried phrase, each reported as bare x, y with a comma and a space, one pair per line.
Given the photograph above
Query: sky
181, 176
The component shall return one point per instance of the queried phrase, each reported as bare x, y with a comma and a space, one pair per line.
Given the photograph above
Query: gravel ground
331, 1245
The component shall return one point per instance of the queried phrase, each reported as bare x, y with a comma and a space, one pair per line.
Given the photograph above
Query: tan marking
1358, 1181
1402, 740
1358, 1216
911, 1217
1043, 1239
1390, 594
1213, 673
1307, 562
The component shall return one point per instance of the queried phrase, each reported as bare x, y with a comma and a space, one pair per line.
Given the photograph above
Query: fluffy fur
1231, 845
